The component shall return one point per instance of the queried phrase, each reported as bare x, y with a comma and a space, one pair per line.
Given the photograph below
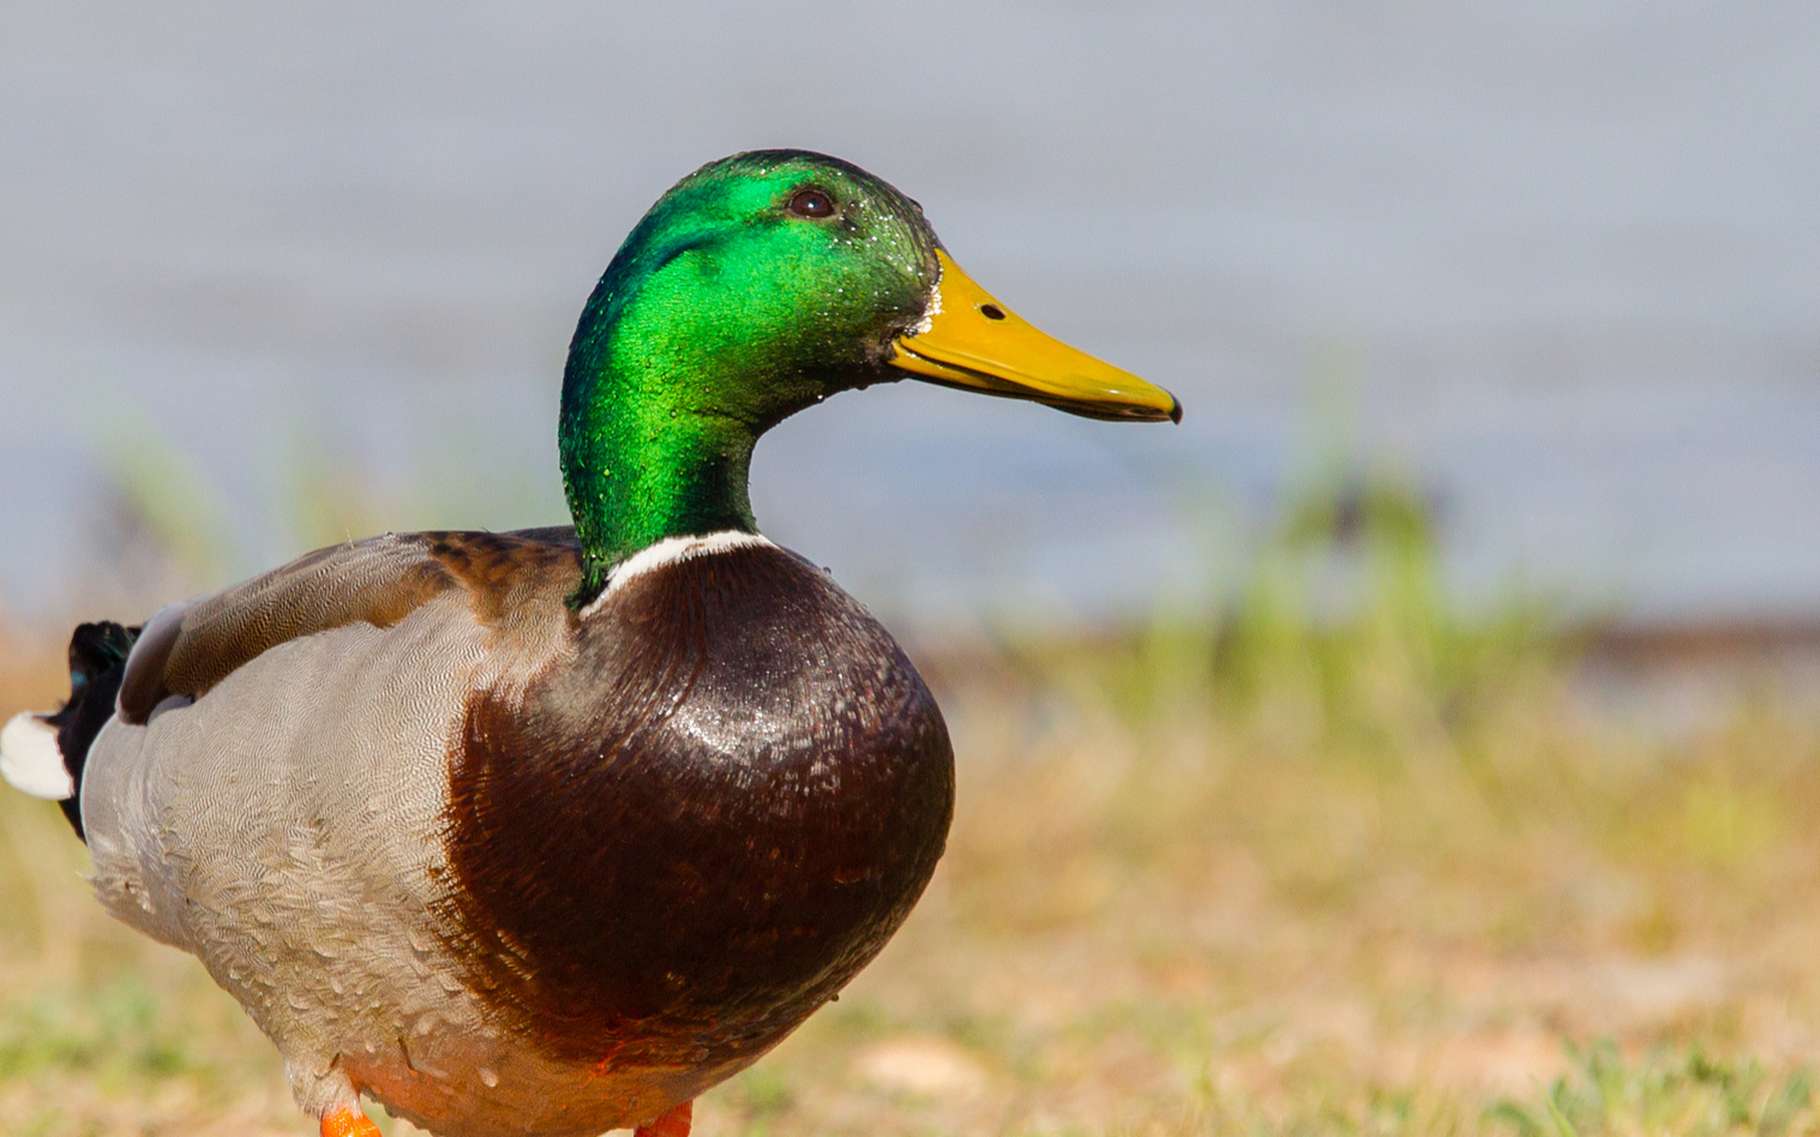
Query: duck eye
811, 202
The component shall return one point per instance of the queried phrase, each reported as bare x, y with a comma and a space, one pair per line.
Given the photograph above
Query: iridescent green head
757, 286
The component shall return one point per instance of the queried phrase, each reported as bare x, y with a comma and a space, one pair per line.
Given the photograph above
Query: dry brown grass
1387, 903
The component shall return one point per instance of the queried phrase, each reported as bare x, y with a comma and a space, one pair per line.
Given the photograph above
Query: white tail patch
31, 761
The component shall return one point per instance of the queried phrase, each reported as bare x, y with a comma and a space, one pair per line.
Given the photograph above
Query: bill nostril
992, 311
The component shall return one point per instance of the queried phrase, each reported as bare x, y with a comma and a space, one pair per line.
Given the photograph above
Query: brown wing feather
188, 649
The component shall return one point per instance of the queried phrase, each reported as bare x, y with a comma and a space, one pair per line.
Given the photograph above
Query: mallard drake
546, 832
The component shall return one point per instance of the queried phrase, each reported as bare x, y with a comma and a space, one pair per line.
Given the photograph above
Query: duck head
756, 287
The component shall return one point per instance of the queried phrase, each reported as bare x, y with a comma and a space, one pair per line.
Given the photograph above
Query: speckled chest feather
695, 828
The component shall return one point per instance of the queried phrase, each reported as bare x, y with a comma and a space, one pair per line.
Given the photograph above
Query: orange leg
352, 1123
672, 1124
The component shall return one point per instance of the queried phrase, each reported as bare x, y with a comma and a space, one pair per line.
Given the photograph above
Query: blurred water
1559, 262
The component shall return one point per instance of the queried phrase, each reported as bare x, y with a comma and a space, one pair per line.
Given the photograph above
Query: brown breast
699, 826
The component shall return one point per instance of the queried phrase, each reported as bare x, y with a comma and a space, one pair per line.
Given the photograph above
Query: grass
1380, 870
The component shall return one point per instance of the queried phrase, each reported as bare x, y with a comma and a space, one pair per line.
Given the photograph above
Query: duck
547, 832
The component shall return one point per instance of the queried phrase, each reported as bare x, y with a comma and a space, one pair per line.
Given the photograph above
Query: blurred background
1419, 738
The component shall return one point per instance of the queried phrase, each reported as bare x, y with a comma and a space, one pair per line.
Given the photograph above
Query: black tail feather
97, 662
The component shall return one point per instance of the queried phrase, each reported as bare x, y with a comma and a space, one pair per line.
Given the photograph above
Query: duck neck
641, 463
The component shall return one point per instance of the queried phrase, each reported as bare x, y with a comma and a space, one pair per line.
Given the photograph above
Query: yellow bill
971, 340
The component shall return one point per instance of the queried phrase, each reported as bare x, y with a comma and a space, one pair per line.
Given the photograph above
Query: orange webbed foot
350, 1123
672, 1124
